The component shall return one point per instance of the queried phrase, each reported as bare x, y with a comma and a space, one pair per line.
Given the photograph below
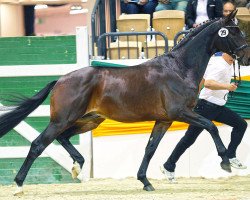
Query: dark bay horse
163, 90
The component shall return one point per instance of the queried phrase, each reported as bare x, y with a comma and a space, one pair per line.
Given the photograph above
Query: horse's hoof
18, 191
149, 188
76, 169
226, 166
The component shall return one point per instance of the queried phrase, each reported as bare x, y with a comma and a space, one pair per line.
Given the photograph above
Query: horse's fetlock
141, 176
36, 150
81, 162
18, 181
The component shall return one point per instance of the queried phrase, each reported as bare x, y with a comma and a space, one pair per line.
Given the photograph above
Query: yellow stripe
245, 78
110, 127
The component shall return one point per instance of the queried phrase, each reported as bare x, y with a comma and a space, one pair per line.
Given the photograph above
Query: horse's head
232, 41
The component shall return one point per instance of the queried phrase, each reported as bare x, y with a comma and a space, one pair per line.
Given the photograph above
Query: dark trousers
134, 8
212, 112
29, 19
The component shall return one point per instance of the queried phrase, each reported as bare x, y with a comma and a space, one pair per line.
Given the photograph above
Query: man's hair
229, 1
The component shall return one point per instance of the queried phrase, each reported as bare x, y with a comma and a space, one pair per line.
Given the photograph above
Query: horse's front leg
157, 134
195, 119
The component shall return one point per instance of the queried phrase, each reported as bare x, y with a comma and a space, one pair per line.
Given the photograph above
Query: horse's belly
128, 115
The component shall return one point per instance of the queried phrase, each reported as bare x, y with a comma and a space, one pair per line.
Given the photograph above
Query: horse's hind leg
85, 124
157, 134
37, 147
78, 159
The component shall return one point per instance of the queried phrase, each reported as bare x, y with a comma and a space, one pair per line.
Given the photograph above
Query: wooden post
11, 20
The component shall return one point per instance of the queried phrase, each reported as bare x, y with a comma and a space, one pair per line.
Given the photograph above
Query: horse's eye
235, 21
243, 34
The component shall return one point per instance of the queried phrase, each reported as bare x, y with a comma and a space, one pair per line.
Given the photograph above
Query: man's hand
215, 85
232, 87
142, 2
126, 1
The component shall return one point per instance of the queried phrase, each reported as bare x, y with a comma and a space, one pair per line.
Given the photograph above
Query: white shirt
201, 11
219, 70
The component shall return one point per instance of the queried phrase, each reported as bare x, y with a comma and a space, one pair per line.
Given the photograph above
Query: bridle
240, 48
235, 57
237, 82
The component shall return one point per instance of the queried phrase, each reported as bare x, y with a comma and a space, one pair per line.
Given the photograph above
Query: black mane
193, 32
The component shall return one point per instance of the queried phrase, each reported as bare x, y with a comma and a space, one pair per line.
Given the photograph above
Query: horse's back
123, 94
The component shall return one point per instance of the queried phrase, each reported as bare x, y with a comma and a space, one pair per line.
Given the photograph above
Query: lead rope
237, 82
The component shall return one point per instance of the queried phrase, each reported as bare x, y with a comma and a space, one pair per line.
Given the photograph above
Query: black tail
9, 120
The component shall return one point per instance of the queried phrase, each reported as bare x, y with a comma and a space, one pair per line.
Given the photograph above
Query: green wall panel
13, 139
44, 170
240, 100
39, 123
33, 51
27, 86
37, 50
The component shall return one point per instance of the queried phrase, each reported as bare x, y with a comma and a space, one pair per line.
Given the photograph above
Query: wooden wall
11, 20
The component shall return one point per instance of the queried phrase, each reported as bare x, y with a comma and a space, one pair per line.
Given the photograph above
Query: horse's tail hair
23, 108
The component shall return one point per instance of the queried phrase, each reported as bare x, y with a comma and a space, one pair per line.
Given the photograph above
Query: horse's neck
194, 57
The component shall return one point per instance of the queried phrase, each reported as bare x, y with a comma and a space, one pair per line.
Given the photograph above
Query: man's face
227, 9
228, 58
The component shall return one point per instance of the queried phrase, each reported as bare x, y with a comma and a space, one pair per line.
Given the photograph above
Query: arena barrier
29, 63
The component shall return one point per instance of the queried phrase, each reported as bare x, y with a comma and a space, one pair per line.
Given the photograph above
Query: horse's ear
230, 16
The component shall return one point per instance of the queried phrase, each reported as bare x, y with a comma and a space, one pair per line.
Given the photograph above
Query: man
199, 11
228, 7
29, 19
211, 104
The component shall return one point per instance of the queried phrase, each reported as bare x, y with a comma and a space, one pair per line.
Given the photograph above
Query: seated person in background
241, 3
248, 5
29, 19
138, 6
171, 5
228, 7
199, 11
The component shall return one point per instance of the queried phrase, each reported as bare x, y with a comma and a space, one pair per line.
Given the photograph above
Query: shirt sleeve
214, 70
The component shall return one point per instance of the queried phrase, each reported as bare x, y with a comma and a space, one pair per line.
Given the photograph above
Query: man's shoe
235, 163
170, 176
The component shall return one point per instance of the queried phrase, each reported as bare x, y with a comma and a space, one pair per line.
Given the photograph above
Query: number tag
223, 32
